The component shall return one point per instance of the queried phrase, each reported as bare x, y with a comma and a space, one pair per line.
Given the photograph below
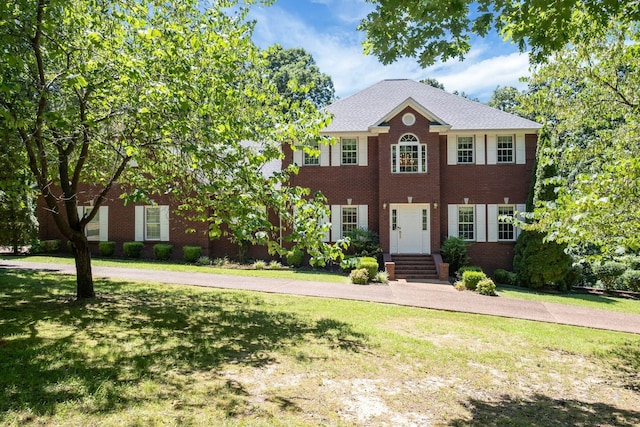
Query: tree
589, 99
432, 82
505, 99
88, 86
431, 30
296, 76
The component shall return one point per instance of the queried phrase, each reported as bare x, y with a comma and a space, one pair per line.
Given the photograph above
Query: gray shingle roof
368, 107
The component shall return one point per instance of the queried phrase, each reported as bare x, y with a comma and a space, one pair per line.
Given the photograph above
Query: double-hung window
310, 159
505, 149
349, 151
152, 222
506, 230
408, 156
349, 219
465, 150
466, 222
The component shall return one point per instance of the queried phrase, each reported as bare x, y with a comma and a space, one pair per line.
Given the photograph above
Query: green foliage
630, 280
461, 270
429, 32
132, 249
162, 251
381, 277
364, 242
191, 253
368, 263
50, 246
219, 262
454, 252
538, 263
275, 265
359, 276
203, 260
349, 263
295, 257
259, 265
470, 279
506, 99
505, 277
107, 249
608, 272
486, 287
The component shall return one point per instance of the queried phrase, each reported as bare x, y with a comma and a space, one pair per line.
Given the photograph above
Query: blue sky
327, 30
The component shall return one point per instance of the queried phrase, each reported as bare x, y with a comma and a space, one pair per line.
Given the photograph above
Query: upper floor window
349, 151
506, 230
465, 150
310, 159
505, 149
408, 156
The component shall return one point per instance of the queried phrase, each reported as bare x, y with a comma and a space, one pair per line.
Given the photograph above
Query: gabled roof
373, 105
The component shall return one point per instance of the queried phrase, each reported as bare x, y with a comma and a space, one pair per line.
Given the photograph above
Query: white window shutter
481, 223
363, 151
336, 154
324, 154
104, 223
453, 221
452, 150
80, 210
336, 222
479, 148
520, 209
521, 152
164, 223
363, 216
139, 221
492, 150
492, 223
298, 156
327, 235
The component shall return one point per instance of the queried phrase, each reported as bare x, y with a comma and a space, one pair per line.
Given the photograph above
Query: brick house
413, 163
416, 164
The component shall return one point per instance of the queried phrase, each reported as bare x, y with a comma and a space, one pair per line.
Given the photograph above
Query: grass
283, 273
603, 302
153, 354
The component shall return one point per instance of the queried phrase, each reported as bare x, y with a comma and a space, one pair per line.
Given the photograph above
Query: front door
409, 232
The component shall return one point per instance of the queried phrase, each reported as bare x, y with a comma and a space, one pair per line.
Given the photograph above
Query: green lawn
152, 354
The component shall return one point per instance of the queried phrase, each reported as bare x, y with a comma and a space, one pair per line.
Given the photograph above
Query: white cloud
338, 53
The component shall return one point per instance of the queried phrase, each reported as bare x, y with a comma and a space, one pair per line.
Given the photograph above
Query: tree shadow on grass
54, 349
543, 411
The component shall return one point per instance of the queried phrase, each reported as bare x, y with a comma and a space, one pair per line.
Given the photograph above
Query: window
152, 222
425, 220
408, 156
505, 149
97, 229
506, 231
92, 230
394, 219
349, 219
466, 222
349, 147
465, 150
310, 159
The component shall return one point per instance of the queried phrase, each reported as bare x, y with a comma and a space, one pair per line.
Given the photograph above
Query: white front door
409, 232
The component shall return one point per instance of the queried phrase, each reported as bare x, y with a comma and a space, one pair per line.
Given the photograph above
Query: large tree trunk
84, 276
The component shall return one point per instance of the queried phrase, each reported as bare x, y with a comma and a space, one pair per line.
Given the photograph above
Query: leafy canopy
432, 30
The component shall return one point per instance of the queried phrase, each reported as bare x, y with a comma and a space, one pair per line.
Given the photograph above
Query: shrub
505, 277
470, 279
454, 252
631, 261
538, 263
203, 260
295, 257
381, 277
359, 276
349, 263
371, 264
191, 253
259, 265
275, 265
107, 248
459, 286
162, 251
630, 280
51, 246
219, 262
132, 249
461, 270
36, 247
364, 242
609, 272
486, 287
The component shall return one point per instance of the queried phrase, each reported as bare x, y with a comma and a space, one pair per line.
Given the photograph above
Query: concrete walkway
439, 296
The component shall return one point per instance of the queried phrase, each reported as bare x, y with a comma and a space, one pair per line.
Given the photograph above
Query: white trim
410, 102
492, 223
363, 216
520, 149
104, 223
298, 156
336, 153
336, 222
480, 226
453, 221
164, 223
324, 154
492, 149
479, 149
325, 220
363, 151
452, 149
139, 223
